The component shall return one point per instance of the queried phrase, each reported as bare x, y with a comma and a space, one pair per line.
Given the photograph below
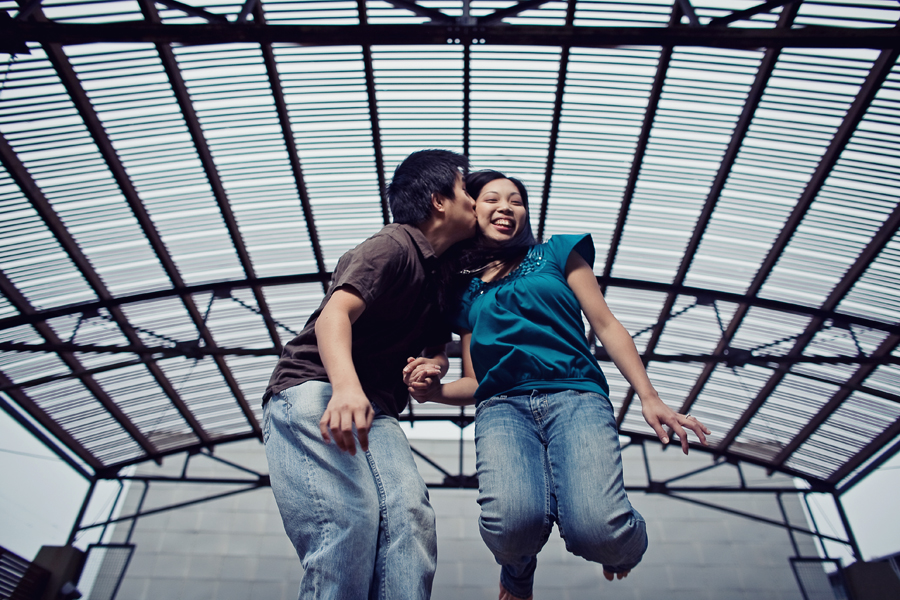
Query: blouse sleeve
561, 246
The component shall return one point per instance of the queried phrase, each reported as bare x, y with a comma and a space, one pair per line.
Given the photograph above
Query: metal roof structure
179, 178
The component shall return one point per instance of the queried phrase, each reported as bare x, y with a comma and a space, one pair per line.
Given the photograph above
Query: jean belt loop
534, 393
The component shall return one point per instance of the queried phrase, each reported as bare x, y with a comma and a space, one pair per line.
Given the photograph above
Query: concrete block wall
235, 548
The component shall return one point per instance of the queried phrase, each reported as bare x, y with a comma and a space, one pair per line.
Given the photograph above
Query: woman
545, 433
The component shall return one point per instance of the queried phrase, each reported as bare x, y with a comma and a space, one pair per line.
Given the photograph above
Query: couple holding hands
460, 255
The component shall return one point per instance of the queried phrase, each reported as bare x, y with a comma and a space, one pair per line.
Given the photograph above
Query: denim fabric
362, 525
548, 458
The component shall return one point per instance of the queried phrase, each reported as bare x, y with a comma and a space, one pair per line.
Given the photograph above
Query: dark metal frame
30, 26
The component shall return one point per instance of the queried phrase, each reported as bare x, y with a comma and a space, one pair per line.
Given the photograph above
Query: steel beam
554, 126
372, 99
863, 100
640, 151
606, 282
439, 34
104, 145
754, 97
291, 146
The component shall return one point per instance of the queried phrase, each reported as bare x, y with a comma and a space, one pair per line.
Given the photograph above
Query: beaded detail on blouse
532, 262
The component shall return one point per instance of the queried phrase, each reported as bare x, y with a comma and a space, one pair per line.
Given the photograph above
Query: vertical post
849, 530
137, 511
815, 525
787, 523
111, 511
87, 498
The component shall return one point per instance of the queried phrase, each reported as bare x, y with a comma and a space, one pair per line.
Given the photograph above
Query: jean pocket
486, 403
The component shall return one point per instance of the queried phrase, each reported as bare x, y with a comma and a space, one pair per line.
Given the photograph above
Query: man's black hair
418, 177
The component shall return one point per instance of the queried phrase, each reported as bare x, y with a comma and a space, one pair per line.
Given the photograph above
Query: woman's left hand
659, 415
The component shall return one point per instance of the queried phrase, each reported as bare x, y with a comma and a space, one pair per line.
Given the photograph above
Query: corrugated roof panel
292, 305
886, 378
769, 332
232, 98
551, 13
31, 257
252, 375
164, 322
787, 137
637, 310
697, 329
78, 412
512, 95
312, 12
218, 414
96, 11
836, 341
839, 13
77, 183
419, 93
139, 396
706, 10
615, 13
325, 91
234, 324
700, 103
781, 417
673, 382
856, 422
877, 293
726, 396
603, 108
20, 367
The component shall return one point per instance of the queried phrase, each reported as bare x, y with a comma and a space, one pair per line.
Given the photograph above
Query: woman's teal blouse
527, 330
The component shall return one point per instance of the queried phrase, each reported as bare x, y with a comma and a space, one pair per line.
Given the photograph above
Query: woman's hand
658, 414
423, 378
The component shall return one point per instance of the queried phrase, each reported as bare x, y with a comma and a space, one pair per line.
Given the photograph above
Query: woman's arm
423, 379
621, 349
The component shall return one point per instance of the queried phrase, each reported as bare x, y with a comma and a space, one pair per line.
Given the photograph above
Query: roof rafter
754, 97
104, 145
554, 125
42, 206
372, 99
173, 71
842, 136
291, 146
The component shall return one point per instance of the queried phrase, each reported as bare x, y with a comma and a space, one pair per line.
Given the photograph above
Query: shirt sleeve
373, 269
561, 246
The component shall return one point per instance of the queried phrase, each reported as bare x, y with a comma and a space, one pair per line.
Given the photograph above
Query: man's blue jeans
545, 458
362, 525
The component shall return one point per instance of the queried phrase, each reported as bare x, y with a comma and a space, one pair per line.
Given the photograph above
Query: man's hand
343, 413
657, 415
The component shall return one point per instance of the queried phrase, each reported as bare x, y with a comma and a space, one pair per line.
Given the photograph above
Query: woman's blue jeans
545, 458
362, 525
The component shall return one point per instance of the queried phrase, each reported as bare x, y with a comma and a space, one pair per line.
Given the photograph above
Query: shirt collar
420, 240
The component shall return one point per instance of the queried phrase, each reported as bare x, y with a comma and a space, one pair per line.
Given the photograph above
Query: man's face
461, 210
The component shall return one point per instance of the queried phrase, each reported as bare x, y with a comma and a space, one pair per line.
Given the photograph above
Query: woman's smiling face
500, 210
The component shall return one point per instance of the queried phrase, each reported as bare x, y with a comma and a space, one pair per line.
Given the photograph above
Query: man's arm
349, 405
621, 349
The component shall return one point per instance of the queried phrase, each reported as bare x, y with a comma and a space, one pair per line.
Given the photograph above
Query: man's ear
437, 202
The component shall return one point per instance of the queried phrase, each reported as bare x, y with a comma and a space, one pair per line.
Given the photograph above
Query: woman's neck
501, 268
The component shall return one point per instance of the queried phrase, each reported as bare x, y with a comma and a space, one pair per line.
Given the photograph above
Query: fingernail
665, 440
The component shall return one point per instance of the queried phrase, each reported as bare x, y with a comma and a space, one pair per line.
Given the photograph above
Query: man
361, 521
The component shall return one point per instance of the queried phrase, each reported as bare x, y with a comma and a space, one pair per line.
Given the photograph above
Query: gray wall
235, 548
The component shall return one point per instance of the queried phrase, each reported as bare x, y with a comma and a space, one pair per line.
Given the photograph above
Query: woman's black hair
470, 258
